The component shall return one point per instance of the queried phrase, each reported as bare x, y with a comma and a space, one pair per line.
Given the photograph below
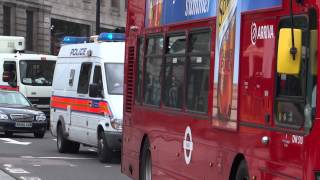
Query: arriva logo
261, 32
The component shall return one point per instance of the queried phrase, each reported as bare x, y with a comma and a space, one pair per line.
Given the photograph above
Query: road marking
29, 178
36, 165
92, 150
17, 170
64, 158
108, 166
54, 139
11, 141
7, 165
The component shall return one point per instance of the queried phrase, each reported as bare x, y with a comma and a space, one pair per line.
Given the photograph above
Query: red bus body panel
216, 148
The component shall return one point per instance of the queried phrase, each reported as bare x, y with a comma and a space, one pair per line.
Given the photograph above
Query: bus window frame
211, 67
142, 56
165, 35
166, 55
286, 98
145, 57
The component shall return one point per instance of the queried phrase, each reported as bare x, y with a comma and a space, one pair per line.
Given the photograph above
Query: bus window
139, 70
296, 93
174, 71
198, 71
152, 73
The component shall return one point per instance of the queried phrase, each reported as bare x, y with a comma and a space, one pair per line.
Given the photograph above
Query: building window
30, 24
6, 20
115, 4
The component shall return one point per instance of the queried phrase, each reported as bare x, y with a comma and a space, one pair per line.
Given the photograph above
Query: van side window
71, 77
84, 78
97, 77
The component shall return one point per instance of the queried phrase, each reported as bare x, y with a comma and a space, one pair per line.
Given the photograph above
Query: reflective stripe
9, 88
81, 105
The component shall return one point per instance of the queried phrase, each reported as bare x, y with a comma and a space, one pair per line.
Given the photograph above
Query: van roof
107, 51
24, 56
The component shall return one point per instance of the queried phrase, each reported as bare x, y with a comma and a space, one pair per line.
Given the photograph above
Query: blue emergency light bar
74, 40
112, 37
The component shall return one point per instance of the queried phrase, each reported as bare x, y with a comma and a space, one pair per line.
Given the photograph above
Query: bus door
295, 93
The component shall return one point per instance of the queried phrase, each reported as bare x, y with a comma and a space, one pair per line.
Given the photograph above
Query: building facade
45, 22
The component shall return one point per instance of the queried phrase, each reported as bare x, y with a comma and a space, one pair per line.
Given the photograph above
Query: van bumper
114, 140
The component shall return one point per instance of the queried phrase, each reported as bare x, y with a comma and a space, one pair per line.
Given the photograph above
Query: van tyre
63, 144
104, 152
145, 162
8, 134
39, 134
242, 171
73, 147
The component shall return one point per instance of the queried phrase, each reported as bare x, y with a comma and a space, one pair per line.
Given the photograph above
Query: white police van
30, 74
87, 95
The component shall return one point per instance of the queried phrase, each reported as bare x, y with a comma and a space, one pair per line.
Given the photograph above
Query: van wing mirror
287, 63
95, 90
8, 76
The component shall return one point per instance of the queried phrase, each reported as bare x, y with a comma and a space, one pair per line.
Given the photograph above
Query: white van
87, 95
30, 74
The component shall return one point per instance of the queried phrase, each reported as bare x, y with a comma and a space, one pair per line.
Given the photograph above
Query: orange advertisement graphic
226, 69
226, 66
155, 12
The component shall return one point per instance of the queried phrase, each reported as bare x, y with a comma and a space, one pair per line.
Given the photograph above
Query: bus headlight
41, 117
116, 123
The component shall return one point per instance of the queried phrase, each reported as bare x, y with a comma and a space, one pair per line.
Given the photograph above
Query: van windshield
115, 74
37, 72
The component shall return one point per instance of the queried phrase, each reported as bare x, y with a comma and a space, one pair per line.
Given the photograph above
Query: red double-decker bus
221, 89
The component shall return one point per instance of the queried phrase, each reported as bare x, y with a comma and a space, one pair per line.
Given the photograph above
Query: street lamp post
98, 17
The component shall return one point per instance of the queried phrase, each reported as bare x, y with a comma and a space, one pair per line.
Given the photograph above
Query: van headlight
3, 116
41, 117
116, 123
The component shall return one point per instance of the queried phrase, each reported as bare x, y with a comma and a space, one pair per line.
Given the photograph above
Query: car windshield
36, 72
114, 73
13, 98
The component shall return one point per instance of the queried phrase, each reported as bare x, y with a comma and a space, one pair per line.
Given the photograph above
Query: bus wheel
145, 162
104, 152
242, 171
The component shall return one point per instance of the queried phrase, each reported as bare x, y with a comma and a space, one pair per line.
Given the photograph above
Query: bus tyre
104, 152
145, 162
242, 171
39, 134
62, 143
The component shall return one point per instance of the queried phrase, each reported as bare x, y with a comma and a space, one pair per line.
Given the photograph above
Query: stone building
45, 22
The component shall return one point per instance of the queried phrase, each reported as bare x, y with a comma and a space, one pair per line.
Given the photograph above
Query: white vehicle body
25, 67
80, 115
